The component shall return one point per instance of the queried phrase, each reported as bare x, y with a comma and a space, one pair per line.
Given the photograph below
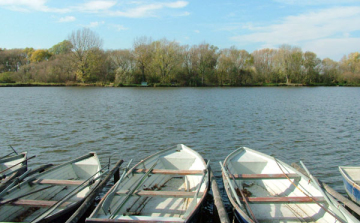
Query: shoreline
166, 85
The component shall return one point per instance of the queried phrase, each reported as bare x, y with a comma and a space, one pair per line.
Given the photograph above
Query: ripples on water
319, 126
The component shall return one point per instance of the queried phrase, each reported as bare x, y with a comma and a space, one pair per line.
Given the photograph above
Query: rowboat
262, 188
351, 179
52, 193
12, 167
169, 186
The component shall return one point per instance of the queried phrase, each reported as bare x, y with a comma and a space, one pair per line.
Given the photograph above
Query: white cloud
28, 5
22, 4
67, 19
40, 5
302, 29
147, 10
334, 48
196, 31
95, 6
132, 9
314, 2
177, 4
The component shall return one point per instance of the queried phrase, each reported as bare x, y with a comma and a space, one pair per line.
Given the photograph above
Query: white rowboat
52, 193
12, 167
264, 189
351, 179
168, 186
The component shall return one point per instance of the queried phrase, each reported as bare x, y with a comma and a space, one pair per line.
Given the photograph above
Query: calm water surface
319, 126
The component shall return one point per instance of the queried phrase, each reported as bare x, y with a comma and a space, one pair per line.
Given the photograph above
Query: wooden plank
151, 193
284, 199
264, 176
59, 182
170, 172
220, 215
33, 203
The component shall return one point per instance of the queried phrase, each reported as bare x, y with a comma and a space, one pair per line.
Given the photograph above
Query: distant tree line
81, 59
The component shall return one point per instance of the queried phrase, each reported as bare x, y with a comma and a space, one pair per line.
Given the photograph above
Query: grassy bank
74, 84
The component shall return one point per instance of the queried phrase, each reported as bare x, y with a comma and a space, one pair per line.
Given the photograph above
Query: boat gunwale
184, 147
242, 213
22, 155
130, 172
31, 179
4, 183
73, 204
347, 177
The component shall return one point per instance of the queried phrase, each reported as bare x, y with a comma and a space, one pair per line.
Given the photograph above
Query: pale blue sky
330, 28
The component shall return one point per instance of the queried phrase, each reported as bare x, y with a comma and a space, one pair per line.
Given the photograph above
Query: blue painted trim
240, 218
352, 191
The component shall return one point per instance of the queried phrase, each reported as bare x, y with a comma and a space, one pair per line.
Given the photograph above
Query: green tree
207, 58
264, 62
241, 73
84, 42
11, 60
28, 51
329, 71
189, 73
311, 67
289, 60
167, 57
95, 70
350, 66
124, 64
224, 66
40, 55
7, 77
63, 47
143, 54
351, 63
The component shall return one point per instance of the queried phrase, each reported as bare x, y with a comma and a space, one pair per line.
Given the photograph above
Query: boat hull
352, 188
241, 217
168, 186
14, 169
53, 193
260, 189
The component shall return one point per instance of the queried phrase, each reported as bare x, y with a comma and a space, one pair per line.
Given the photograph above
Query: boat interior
163, 187
41, 192
352, 173
273, 191
9, 162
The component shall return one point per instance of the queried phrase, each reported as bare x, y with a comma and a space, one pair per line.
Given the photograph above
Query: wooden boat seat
59, 182
170, 172
284, 199
33, 203
264, 176
159, 193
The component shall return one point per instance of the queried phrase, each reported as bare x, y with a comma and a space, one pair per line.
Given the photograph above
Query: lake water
318, 125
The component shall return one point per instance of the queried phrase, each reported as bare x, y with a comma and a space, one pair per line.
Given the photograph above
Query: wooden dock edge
221, 211
348, 203
90, 199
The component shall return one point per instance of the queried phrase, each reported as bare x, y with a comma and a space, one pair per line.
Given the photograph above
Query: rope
312, 198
